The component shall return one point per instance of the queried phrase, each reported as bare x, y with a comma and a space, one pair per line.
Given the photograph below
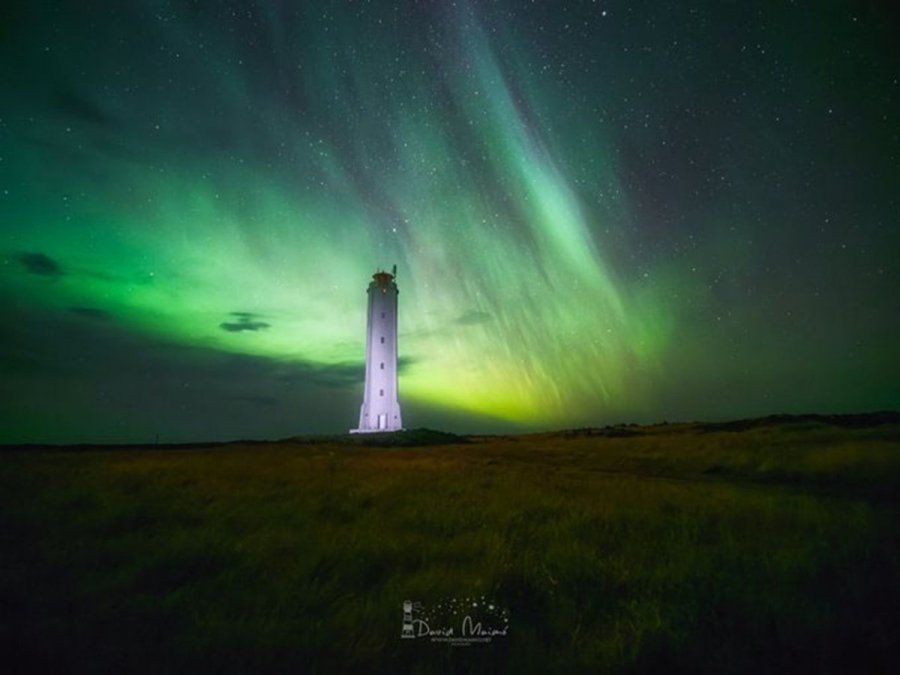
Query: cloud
102, 381
245, 321
242, 325
91, 313
346, 374
405, 362
40, 264
472, 318
326, 374
71, 103
256, 400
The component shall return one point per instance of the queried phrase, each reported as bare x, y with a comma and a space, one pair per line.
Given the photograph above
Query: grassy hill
758, 546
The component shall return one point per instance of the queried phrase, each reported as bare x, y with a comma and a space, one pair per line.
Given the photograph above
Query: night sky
600, 212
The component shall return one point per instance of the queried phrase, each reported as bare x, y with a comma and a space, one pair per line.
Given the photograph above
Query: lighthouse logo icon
407, 620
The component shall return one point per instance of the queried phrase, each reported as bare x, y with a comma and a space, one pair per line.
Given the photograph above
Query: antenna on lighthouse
394, 271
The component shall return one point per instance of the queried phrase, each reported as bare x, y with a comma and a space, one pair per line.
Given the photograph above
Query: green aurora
597, 215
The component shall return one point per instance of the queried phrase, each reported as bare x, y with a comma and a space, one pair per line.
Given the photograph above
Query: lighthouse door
382, 421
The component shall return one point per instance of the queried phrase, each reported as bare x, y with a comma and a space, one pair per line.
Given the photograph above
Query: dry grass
770, 549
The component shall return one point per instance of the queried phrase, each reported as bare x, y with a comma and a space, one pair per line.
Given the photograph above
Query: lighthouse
380, 410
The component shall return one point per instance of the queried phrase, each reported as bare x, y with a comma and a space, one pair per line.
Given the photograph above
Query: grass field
770, 546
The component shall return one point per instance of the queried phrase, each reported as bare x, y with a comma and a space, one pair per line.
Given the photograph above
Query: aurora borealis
600, 212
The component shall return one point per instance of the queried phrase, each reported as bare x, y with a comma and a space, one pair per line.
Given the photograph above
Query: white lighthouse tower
380, 409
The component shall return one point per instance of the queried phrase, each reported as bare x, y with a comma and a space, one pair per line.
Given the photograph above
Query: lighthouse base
378, 418
375, 431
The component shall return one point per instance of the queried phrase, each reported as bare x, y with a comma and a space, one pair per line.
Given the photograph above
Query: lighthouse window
382, 365
382, 339
381, 392
382, 315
